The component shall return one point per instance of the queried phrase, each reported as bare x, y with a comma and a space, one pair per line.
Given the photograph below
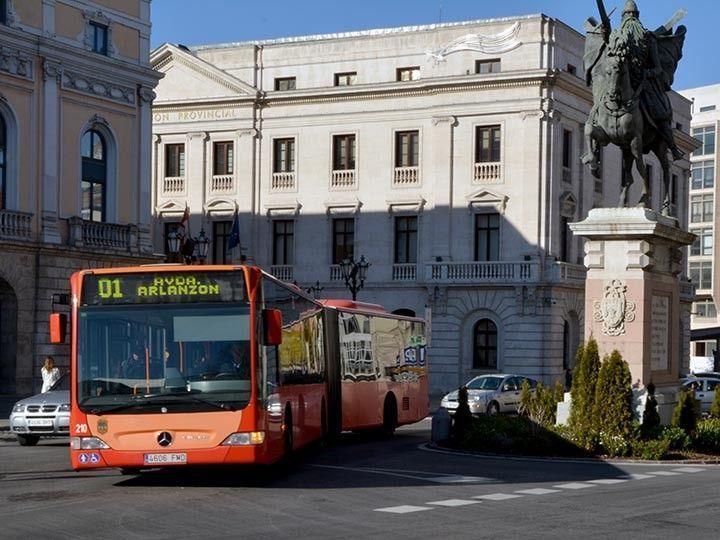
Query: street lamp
315, 290
354, 273
190, 250
173, 243
202, 243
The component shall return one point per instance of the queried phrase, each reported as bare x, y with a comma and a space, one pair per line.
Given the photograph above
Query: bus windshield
163, 358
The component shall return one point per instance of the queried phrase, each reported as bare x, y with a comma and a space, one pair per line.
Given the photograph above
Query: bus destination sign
162, 288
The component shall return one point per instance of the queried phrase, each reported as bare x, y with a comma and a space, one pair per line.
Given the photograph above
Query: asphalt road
359, 488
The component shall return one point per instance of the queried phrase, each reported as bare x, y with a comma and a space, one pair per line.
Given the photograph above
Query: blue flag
234, 238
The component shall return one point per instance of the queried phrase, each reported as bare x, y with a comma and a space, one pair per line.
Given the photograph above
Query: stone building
703, 218
76, 88
447, 155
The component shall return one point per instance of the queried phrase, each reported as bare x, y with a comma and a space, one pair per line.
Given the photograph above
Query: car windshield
485, 383
187, 357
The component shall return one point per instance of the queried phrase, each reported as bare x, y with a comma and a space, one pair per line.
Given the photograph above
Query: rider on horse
652, 58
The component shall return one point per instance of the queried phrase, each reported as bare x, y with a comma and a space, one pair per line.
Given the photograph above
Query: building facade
702, 217
76, 88
448, 155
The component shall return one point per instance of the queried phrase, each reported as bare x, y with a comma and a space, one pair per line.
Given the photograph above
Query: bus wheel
390, 418
288, 433
27, 440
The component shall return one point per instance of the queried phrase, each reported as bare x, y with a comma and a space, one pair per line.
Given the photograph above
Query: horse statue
630, 70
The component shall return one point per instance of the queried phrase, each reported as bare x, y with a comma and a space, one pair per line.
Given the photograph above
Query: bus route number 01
109, 288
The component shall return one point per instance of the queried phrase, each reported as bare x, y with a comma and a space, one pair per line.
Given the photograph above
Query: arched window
94, 176
3, 172
485, 345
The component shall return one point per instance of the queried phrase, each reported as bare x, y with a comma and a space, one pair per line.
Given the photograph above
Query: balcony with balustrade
104, 236
173, 185
284, 272
404, 272
222, 184
406, 176
283, 181
15, 225
343, 179
482, 272
488, 173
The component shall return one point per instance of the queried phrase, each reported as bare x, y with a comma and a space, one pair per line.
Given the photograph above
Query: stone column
632, 292
146, 96
52, 77
441, 170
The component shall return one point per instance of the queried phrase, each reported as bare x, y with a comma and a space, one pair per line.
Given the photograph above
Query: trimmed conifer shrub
687, 411
540, 405
715, 407
650, 428
613, 405
582, 410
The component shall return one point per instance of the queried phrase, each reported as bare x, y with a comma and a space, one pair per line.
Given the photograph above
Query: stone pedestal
632, 292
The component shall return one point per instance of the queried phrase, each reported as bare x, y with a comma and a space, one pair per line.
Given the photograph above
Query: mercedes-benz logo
164, 439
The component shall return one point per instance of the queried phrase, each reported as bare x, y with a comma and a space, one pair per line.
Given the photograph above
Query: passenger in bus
200, 366
134, 367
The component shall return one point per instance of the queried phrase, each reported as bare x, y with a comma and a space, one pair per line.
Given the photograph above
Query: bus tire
390, 416
27, 440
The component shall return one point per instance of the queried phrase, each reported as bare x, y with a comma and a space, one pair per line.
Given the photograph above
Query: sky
193, 22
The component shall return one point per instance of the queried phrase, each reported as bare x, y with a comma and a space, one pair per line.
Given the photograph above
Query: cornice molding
96, 87
15, 62
270, 100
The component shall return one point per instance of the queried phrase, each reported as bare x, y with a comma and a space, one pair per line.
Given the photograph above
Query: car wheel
493, 408
28, 440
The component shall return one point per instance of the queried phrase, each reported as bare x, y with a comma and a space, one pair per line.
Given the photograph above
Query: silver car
43, 414
704, 388
491, 394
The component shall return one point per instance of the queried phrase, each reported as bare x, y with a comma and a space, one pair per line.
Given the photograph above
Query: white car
490, 394
46, 414
704, 390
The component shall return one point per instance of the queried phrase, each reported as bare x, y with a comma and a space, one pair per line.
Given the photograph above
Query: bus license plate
161, 459
43, 422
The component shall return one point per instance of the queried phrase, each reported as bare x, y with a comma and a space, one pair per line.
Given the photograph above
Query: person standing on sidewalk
50, 374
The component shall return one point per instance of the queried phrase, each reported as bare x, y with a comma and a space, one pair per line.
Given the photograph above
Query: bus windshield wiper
148, 399
192, 394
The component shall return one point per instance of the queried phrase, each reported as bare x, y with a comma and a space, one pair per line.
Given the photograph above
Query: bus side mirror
272, 322
58, 324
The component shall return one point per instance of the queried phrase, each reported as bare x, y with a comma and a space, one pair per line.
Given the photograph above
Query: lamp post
202, 242
315, 290
173, 242
354, 273
192, 249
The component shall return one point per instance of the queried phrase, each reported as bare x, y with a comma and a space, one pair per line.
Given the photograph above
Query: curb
432, 447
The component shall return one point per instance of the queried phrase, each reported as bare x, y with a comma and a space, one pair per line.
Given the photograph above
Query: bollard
441, 422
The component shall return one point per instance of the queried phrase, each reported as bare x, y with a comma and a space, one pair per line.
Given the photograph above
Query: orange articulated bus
196, 365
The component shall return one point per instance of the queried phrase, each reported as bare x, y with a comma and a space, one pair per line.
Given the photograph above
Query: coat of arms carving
614, 310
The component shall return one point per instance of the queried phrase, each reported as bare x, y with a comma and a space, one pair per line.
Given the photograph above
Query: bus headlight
87, 443
245, 439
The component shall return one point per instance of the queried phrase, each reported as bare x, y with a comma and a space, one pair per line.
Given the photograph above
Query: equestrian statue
630, 70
